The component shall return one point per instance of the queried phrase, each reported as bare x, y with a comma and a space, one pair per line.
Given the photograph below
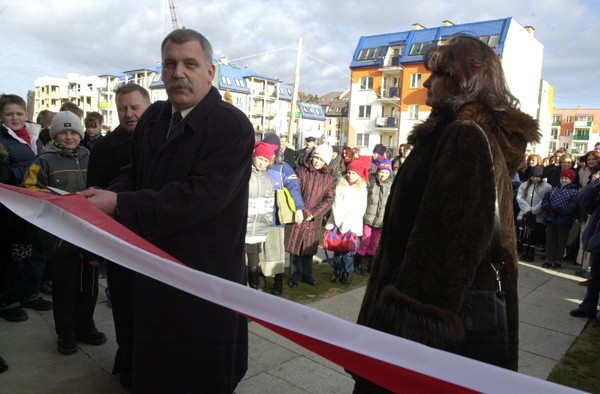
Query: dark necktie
176, 125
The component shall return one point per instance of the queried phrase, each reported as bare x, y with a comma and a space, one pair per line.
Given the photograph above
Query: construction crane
173, 14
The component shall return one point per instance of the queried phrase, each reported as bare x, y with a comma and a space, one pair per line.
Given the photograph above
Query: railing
386, 121
391, 92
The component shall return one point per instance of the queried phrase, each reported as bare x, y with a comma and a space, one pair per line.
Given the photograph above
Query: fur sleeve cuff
401, 315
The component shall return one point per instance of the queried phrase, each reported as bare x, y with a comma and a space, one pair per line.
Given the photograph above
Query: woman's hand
299, 217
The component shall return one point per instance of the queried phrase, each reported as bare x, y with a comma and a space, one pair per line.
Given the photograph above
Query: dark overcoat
188, 195
438, 226
318, 192
108, 156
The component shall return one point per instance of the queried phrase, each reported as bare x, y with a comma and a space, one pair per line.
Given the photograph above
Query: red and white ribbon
395, 363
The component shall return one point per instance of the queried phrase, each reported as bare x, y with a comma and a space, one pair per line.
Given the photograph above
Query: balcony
390, 93
387, 121
584, 137
582, 123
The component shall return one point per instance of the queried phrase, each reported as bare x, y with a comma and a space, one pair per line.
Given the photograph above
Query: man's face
14, 116
186, 74
130, 106
283, 142
93, 127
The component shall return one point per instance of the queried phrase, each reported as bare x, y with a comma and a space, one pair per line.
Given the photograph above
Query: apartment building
387, 75
51, 93
575, 129
335, 106
265, 100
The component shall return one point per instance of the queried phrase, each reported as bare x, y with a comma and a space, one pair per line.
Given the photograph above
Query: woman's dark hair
476, 71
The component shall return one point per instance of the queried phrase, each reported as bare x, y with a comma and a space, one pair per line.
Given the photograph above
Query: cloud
54, 37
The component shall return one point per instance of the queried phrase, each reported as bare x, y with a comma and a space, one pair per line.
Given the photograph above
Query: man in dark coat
186, 191
108, 156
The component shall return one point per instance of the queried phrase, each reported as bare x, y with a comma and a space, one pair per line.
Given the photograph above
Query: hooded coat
438, 227
188, 195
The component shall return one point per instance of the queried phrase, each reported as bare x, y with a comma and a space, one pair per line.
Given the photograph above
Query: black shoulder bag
484, 311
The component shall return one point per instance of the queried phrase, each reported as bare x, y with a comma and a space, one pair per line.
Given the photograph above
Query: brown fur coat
438, 227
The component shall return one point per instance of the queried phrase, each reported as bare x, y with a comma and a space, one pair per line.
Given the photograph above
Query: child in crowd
531, 217
63, 165
378, 189
302, 239
559, 206
260, 207
347, 214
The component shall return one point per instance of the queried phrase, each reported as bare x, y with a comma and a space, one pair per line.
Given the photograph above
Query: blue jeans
300, 268
343, 262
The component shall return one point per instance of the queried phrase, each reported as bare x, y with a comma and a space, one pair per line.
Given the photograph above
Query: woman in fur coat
438, 225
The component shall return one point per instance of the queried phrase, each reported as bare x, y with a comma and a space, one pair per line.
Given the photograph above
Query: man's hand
105, 200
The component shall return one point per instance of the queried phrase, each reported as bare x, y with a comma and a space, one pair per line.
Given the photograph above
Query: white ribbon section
281, 312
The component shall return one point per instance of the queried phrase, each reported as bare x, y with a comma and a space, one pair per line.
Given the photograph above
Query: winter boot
358, 264
530, 256
345, 278
253, 277
368, 261
277, 285
334, 278
524, 252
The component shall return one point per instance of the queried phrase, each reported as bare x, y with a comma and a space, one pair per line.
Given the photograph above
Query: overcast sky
94, 37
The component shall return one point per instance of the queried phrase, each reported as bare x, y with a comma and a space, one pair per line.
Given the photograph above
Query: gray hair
181, 36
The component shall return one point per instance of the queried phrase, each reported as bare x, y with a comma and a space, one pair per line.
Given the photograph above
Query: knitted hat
568, 173
264, 150
64, 121
273, 139
360, 167
384, 164
379, 149
536, 171
310, 139
325, 152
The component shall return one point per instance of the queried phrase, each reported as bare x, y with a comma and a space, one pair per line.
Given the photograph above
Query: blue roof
285, 91
234, 76
311, 111
425, 36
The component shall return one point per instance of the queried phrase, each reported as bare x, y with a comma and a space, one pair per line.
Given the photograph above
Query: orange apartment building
387, 73
575, 129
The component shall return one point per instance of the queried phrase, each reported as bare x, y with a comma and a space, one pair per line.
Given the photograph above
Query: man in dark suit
108, 156
289, 155
186, 191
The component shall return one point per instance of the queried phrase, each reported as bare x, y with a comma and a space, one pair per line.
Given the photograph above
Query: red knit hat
265, 150
568, 173
360, 167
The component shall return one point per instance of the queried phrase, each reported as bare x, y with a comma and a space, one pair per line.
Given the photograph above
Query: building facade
575, 129
387, 75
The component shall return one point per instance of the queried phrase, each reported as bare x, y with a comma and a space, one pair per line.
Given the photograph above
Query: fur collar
512, 129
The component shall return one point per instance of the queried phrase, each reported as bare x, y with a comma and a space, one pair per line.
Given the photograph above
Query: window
369, 53
362, 140
413, 111
569, 119
567, 133
364, 111
239, 83
418, 48
584, 118
415, 81
556, 119
366, 83
226, 80
491, 40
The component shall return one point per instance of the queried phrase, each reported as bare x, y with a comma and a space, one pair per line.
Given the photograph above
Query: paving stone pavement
277, 365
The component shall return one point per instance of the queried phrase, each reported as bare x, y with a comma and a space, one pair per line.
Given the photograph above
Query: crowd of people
555, 205
193, 181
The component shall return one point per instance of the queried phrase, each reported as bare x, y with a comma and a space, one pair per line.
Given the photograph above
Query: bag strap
496, 255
